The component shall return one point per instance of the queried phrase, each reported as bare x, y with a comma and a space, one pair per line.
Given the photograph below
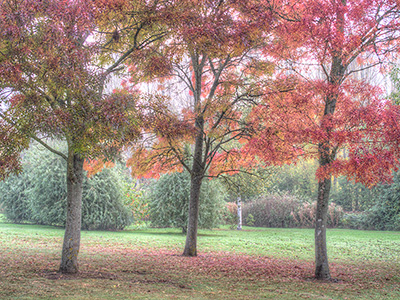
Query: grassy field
255, 263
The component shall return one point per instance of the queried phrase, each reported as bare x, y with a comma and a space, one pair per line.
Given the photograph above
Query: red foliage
49, 67
314, 113
93, 166
209, 49
11, 145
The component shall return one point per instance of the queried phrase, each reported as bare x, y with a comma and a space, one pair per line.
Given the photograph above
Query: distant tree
169, 202
250, 184
297, 179
353, 196
385, 213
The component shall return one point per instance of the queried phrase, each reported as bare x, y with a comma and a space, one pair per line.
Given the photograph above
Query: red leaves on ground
242, 268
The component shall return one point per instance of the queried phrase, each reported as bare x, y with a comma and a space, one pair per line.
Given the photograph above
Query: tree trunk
321, 255
72, 236
328, 155
191, 236
196, 179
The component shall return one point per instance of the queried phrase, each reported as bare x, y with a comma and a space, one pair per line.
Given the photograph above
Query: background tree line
112, 200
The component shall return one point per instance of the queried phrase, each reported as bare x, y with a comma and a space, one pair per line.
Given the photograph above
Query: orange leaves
111, 5
232, 162
94, 166
141, 164
259, 68
367, 166
165, 123
211, 27
151, 163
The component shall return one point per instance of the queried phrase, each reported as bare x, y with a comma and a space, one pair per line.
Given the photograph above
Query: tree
211, 50
52, 86
353, 196
317, 107
169, 202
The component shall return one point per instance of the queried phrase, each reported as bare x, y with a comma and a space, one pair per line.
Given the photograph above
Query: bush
305, 215
137, 200
271, 211
287, 211
385, 214
169, 202
46, 193
355, 220
14, 201
102, 205
38, 195
230, 214
335, 215
250, 220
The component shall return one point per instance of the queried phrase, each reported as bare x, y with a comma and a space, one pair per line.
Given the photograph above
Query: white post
239, 212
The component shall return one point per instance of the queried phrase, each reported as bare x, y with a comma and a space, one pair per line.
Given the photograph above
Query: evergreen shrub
169, 202
38, 195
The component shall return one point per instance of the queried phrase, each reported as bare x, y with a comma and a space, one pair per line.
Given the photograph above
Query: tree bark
72, 236
321, 254
191, 236
196, 179
327, 154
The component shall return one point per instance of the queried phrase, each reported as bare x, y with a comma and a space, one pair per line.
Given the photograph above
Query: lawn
256, 263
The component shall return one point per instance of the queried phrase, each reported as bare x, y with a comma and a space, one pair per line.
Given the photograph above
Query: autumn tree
55, 62
212, 53
316, 106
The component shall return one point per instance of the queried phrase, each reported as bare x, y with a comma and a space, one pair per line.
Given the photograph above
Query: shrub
46, 192
137, 201
169, 202
102, 205
287, 211
38, 195
335, 215
304, 216
385, 214
230, 215
250, 220
14, 201
271, 210
355, 220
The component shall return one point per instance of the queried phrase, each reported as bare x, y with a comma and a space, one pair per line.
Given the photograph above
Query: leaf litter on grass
113, 270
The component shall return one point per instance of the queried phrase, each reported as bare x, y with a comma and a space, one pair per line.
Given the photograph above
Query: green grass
256, 263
